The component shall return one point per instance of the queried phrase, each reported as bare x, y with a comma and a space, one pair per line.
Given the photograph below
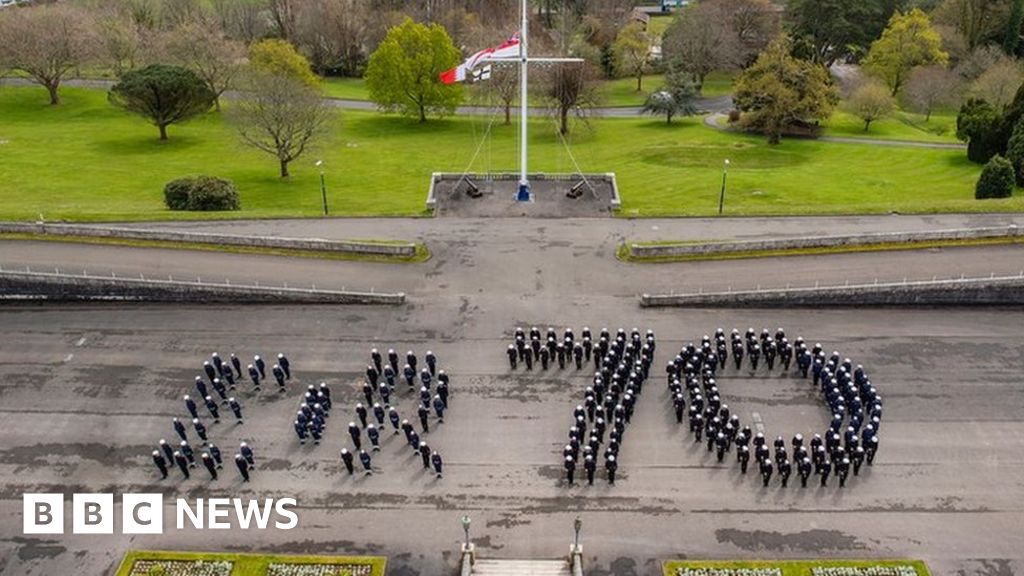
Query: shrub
209, 193
1015, 152
202, 193
996, 179
176, 193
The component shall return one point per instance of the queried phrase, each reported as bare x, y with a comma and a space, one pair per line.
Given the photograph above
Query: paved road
708, 104
86, 390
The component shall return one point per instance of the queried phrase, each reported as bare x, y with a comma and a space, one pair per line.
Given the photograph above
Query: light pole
577, 524
323, 185
721, 195
465, 527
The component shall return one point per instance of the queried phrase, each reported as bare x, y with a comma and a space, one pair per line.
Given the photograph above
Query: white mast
524, 183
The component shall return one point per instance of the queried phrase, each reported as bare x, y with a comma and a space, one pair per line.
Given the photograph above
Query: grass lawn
85, 160
621, 92
346, 88
249, 564
941, 127
794, 567
658, 24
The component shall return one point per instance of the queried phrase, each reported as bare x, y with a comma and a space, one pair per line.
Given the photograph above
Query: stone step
490, 567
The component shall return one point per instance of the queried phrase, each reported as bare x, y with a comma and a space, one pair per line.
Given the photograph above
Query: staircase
487, 567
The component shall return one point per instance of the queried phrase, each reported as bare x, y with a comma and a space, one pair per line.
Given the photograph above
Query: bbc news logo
144, 513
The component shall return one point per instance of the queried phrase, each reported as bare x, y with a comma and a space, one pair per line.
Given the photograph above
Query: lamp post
465, 527
577, 524
721, 195
323, 185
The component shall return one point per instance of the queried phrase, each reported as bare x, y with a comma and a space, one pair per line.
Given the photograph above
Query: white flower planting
319, 570
181, 568
865, 571
728, 572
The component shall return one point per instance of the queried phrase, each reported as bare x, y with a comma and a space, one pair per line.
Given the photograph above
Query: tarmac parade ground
87, 390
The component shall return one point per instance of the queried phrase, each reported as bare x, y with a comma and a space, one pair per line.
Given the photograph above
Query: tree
700, 41
281, 116
833, 29
996, 180
871, 101
670, 104
569, 88
242, 20
279, 58
1015, 152
999, 83
504, 88
755, 23
632, 49
404, 71
46, 42
779, 90
977, 21
930, 87
121, 38
1011, 40
203, 48
676, 98
334, 34
282, 13
978, 124
162, 94
909, 41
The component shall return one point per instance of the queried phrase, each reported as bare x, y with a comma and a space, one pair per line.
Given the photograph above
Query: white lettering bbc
144, 513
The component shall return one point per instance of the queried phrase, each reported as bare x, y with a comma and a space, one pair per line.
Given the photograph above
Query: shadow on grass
146, 146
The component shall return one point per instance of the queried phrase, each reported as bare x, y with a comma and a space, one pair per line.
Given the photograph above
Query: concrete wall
65, 287
344, 246
704, 249
968, 292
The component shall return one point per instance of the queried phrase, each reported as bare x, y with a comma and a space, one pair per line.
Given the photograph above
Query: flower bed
319, 570
181, 568
728, 572
865, 571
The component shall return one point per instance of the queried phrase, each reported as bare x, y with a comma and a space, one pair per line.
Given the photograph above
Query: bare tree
334, 35
633, 51
242, 20
701, 40
930, 87
999, 83
122, 43
502, 88
177, 13
754, 22
569, 88
202, 47
280, 116
283, 13
47, 42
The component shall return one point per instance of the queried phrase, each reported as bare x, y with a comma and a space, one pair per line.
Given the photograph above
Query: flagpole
524, 184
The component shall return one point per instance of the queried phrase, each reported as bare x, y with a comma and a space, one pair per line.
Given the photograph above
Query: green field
249, 564
84, 160
621, 92
900, 126
346, 88
793, 567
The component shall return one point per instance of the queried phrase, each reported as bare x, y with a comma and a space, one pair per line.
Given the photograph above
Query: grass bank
623, 252
421, 254
86, 161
